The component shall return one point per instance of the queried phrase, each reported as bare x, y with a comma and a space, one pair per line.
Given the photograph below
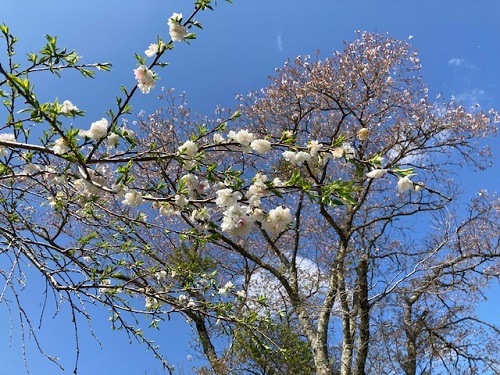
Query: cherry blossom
377, 173
145, 79
166, 209
181, 201
98, 130
237, 221
227, 197
218, 138
243, 137
404, 184
261, 146
277, 220
226, 288
60, 146
6, 137
133, 198
188, 149
68, 108
297, 158
314, 147
177, 32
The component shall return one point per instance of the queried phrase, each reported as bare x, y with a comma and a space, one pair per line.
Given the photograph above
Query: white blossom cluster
8, 138
405, 184
98, 130
240, 209
236, 210
133, 198
61, 146
68, 108
145, 79
154, 48
297, 158
177, 31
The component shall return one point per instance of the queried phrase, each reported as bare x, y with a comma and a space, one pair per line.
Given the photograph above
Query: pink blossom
277, 220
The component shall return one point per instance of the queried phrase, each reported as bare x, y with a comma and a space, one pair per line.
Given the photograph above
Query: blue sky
240, 46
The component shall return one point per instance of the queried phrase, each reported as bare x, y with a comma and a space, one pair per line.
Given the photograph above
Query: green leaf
404, 172
196, 23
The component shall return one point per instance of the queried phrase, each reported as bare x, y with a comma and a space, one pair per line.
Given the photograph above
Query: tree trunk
319, 349
410, 362
364, 317
208, 349
347, 328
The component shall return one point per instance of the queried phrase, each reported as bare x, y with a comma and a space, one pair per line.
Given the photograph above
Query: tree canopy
316, 228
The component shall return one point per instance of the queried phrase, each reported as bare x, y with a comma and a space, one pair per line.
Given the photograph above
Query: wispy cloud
456, 62
473, 97
279, 42
460, 63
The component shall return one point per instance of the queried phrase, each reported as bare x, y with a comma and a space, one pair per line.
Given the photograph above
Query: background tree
288, 233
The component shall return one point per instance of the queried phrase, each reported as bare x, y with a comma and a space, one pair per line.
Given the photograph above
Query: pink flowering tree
292, 233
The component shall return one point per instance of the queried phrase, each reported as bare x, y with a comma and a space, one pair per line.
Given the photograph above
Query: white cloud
471, 98
312, 286
460, 63
279, 42
456, 62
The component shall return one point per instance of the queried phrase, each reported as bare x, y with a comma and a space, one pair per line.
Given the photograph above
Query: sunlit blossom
243, 137
188, 149
302, 157
145, 79
68, 108
260, 145
314, 147
296, 158
177, 31
236, 221
200, 215
153, 49
133, 198
194, 185
183, 298
166, 209
404, 184
218, 138
31, 169
227, 197
257, 191
98, 130
377, 173
349, 151
112, 140
277, 220
346, 151
226, 289
277, 182
60, 146
151, 303
86, 188
6, 137
241, 293
338, 152
181, 201
103, 285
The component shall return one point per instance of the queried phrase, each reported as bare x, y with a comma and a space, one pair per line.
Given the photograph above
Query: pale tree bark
364, 317
216, 363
